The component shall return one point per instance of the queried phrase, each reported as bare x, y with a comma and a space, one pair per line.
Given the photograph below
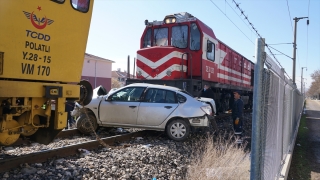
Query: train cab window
179, 36
160, 37
194, 37
210, 50
80, 5
58, 1
147, 39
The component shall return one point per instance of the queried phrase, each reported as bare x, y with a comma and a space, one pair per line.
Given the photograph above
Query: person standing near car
70, 121
206, 92
237, 114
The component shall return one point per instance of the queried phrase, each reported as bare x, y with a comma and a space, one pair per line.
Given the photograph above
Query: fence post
255, 169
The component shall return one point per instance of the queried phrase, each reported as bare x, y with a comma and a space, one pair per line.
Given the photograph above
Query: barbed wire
232, 22
239, 16
246, 18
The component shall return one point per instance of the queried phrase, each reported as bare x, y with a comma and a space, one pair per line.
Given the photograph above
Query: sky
117, 26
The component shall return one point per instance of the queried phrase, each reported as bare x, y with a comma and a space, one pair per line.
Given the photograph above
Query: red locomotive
184, 52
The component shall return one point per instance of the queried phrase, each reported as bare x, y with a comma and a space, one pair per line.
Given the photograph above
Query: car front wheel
84, 125
178, 130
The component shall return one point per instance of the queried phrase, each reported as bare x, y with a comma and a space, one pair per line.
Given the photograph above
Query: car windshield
112, 90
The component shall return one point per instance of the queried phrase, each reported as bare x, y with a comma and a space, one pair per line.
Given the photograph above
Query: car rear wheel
178, 130
84, 125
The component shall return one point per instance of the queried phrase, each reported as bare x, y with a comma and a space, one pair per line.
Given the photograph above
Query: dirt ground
312, 149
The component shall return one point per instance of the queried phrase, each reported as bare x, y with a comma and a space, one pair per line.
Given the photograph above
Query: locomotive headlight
168, 73
139, 73
170, 20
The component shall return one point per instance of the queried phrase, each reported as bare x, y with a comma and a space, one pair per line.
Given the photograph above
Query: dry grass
219, 158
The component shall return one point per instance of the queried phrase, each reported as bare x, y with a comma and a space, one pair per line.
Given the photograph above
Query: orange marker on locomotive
182, 51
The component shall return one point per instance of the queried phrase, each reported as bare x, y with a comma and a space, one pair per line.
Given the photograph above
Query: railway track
73, 132
38, 157
62, 134
42, 156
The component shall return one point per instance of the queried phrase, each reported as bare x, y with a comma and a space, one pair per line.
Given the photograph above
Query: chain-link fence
277, 106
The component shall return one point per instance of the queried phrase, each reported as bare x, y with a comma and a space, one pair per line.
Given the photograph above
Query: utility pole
302, 77
295, 46
95, 73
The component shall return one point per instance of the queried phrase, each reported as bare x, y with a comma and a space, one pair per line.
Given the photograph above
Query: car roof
155, 86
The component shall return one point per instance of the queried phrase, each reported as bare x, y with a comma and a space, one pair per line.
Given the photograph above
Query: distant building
97, 71
120, 77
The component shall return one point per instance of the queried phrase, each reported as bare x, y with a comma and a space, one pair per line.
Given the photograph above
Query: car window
155, 95
128, 94
186, 92
181, 98
160, 96
170, 97
149, 95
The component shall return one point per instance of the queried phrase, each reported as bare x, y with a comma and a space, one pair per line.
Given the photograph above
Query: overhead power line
280, 43
290, 16
308, 33
232, 21
279, 52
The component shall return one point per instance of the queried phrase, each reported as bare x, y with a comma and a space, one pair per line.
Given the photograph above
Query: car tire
178, 130
84, 126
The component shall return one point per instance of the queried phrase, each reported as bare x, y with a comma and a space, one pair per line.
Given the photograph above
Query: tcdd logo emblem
39, 23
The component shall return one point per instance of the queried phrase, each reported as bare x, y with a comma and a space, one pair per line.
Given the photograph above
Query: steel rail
62, 134
38, 157
73, 132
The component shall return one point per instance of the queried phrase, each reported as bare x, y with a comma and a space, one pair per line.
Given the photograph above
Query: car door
121, 107
156, 106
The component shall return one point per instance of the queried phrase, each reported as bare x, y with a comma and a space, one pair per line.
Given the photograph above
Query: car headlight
207, 109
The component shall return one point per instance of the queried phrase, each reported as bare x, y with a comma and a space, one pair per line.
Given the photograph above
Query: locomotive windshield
160, 37
179, 37
147, 39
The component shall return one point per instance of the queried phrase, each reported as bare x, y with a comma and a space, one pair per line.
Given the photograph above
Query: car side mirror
101, 91
109, 98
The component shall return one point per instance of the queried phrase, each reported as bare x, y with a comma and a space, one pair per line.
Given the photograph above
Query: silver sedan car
145, 106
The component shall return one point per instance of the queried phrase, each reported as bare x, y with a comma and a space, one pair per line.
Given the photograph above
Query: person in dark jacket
206, 92
237, 114
68, 108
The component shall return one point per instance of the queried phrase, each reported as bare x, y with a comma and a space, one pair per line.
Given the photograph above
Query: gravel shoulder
313, 124
307, 167
140, 158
